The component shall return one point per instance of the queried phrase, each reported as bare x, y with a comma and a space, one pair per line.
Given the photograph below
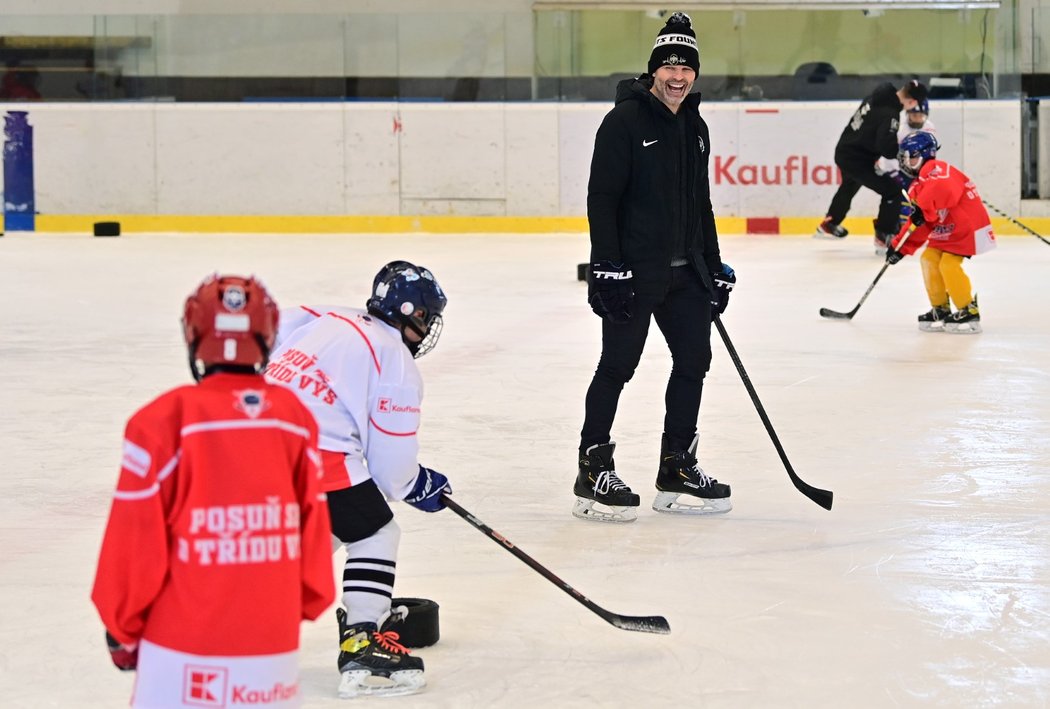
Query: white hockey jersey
888, 166
357, 377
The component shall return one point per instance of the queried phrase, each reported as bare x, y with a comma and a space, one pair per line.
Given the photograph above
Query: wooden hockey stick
642, 624
1008, 218
823, 498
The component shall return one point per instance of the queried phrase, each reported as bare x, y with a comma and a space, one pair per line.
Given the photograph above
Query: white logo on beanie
676, 39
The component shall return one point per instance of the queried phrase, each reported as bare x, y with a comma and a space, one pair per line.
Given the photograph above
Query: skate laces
688, 468
388, 640
607, 481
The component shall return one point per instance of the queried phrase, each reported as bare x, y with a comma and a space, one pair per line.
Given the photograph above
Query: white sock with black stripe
368, 575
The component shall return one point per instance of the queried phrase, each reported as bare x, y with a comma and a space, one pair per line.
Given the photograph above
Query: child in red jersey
218, 541
951, 220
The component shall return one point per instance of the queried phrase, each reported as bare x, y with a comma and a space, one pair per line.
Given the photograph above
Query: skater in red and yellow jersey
951, 220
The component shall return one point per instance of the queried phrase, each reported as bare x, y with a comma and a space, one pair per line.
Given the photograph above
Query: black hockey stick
829, 313
642, 624
821, 497
1008, 218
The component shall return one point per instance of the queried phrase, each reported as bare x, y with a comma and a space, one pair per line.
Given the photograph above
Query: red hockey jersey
218, 537
956, 220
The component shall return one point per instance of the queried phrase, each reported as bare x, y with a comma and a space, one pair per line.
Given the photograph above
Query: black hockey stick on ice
829, 313
1008, 218
642, 624
821, 497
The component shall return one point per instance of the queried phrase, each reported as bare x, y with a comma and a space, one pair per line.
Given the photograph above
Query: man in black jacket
871, 134
654, 253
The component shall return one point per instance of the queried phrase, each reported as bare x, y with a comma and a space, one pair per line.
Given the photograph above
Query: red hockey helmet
231, 321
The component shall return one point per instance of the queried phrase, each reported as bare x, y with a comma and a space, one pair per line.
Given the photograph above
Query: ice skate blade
931, 327
668, 502
970, 328
820, 234
584, 509
362, 683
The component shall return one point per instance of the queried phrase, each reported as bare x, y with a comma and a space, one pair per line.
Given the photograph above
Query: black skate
935, 320
828, 229
373, 663
966, 321
680, 475
598, 483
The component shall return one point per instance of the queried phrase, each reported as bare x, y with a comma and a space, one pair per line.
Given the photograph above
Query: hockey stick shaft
824, 498
643, 624
1008, 218
827, 313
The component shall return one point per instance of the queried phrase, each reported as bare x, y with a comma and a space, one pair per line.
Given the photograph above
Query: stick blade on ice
642, 624
834, 314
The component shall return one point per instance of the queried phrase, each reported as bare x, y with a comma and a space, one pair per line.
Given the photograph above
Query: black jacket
649, 195
872, 132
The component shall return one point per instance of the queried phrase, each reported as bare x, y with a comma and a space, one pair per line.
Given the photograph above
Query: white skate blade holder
362, 683
585, 509
668, 502
968, 328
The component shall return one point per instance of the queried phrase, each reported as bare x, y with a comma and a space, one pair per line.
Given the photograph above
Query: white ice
927, 584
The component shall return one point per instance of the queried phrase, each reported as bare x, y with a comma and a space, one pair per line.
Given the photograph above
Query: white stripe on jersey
235, 424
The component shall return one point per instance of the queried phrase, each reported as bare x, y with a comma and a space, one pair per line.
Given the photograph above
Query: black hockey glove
893, 256
917, 217
124, 657
611, 292
724, 281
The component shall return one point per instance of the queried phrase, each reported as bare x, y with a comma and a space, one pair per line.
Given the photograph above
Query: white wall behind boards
768, 159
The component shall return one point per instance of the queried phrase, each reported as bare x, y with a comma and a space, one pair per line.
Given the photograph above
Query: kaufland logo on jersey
795, 170
386, 406
207, 687
204, 686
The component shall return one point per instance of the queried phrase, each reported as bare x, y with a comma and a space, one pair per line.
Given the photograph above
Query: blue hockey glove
724, 281
124, 657
611, 291
426, 494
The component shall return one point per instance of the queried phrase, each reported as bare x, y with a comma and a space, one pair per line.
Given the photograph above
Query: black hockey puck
107, 228
420, 627
581, 271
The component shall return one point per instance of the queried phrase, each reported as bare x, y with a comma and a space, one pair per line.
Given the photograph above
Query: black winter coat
872, 132
649, 194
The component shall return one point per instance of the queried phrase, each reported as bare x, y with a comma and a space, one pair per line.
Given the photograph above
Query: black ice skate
966, 321
828, 229
373, 663
680, 475
934, 320
598, 483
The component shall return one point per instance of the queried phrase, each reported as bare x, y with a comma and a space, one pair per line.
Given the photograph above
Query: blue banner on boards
19, 196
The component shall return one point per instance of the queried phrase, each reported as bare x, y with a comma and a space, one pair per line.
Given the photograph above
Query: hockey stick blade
642, 624
828, 313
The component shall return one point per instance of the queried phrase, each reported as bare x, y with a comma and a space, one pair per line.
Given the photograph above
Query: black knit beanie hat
676, 45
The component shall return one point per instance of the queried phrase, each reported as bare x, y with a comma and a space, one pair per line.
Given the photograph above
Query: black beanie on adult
676, 45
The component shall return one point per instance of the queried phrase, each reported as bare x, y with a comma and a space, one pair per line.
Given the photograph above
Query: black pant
857, 173
683, 314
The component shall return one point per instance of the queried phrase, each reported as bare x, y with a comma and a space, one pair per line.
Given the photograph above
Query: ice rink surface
928, 584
